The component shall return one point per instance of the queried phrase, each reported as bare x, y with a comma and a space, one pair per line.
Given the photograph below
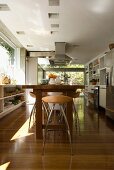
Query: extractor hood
57, 57
60, 57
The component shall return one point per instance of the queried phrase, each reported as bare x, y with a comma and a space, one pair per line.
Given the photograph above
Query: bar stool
61, 100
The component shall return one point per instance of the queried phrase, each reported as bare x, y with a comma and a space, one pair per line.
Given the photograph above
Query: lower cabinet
102, 97
11, 98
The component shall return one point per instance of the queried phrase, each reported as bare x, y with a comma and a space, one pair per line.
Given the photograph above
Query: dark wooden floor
93, 149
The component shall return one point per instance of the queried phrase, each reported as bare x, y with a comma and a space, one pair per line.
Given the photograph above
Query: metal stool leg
32, 112
44, 141
77, 122
61, 100
68, 129
46, 109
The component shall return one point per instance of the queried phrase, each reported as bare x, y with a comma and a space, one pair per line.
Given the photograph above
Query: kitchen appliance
96, 97
110, 95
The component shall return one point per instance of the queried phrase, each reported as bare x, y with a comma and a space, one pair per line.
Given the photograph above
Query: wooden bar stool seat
61, 100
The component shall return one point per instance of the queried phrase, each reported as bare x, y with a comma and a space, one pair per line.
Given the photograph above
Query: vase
58, 80
52, 81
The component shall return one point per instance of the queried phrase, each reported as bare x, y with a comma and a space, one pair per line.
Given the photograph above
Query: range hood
60, 54
57, 57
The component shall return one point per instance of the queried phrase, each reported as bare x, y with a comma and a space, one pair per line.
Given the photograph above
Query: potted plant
52, 78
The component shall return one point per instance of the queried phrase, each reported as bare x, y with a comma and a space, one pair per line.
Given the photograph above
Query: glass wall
69, 77
76, 77
7, 60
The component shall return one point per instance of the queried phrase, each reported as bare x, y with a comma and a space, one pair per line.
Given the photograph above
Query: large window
69, 77
76, 77
7, 59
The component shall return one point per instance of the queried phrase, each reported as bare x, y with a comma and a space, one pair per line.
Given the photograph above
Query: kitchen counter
38, 91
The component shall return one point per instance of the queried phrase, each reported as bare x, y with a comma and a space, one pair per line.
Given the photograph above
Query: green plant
10, 51
16, 100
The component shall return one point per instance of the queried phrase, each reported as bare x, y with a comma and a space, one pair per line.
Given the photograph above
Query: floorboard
93, 147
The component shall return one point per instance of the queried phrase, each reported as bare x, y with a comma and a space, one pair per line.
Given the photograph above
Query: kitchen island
38, 90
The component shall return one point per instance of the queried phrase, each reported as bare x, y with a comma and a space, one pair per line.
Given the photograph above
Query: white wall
31, 71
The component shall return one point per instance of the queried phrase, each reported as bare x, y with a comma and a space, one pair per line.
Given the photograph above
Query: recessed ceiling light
53, 2
54, 25
53, 15
29, 45
4, 7
54, 32
20, 32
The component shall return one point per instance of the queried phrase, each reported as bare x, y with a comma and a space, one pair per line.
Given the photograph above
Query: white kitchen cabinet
11, 98
102, 97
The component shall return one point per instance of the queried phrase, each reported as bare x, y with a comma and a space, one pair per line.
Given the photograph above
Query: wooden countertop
54, 86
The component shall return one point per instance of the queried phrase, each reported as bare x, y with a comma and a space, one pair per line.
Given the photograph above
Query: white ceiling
87, 23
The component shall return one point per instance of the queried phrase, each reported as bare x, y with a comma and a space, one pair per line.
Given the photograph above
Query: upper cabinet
103, 70
108, 59
102, 62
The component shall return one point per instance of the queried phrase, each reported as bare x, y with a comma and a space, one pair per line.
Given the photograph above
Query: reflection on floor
93, 148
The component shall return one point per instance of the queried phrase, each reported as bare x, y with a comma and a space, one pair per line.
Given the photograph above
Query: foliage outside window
7, 61
68, 66
9, 49
74, 77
